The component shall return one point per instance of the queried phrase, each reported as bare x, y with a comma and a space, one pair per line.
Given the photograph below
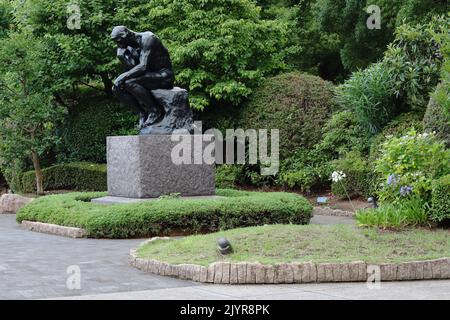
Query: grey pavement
34, 265
330, 220
408, 290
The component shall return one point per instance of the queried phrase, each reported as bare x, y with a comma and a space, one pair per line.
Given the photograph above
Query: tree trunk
107, 83
38, 173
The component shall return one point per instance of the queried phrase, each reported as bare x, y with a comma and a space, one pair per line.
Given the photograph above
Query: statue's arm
139, 69
124, 55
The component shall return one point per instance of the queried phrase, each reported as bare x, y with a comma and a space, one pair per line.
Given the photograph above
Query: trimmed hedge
297, 104
167, 216
79, 176
440, 199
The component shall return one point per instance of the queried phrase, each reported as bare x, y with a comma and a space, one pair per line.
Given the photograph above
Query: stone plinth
142, 167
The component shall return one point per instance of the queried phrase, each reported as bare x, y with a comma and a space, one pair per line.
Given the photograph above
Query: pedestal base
108, 200
142, 167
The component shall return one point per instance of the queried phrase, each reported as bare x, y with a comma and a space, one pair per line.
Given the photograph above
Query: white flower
337, 176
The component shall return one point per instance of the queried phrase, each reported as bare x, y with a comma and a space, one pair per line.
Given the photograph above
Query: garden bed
168, 216
299, 254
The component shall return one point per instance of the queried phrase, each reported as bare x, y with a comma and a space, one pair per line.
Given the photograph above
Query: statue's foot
142, 118
153, 118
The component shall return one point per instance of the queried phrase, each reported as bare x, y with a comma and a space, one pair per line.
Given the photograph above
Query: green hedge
79, 176
88, 124
440, 199
297, 104
164, 217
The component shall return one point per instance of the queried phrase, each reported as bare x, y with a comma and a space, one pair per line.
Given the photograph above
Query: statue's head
122, 36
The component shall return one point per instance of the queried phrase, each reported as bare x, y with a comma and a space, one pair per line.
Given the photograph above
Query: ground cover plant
168, 215
292, 243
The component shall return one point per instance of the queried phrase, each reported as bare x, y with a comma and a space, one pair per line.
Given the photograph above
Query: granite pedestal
142, 167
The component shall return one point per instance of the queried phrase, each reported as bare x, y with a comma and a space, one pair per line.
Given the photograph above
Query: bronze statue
148, 67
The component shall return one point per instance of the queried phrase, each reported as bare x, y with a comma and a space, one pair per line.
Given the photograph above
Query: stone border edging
54, 229
327, 211
307, 272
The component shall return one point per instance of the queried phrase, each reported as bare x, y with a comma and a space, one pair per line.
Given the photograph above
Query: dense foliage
411, 212
341, 134
401, 82
90, 120
367, 94
79, 176
348, 20
296, 104
436, 120
28, 112
440, 200
410, 164
168, 216
220, 48
357, 180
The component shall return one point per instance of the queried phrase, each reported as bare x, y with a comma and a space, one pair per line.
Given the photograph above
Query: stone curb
54, 229
282, 273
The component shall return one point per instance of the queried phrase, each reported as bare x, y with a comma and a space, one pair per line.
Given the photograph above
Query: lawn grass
295, 243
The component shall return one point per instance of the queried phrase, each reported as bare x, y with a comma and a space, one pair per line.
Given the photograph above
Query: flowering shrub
409, 164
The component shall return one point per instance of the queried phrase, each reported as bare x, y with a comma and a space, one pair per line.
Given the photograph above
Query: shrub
88, 124
436, 120
440, 199
168, 216
72, 176
442, 37
409, 164
306, 169
401, 82
410, 212
227, 175
398, 127
357, 181
341, 134
296, 104
415, 60
368, 94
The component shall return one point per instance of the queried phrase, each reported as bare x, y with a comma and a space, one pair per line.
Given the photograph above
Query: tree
78, 34
220, 49
28, 114
359, 45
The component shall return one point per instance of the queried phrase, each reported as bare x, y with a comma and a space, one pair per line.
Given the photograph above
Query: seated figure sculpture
147, 85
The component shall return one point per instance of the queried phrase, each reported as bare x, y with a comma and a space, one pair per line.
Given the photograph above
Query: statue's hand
119, 82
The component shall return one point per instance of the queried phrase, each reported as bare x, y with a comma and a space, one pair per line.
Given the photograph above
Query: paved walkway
414, 290
33, 266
